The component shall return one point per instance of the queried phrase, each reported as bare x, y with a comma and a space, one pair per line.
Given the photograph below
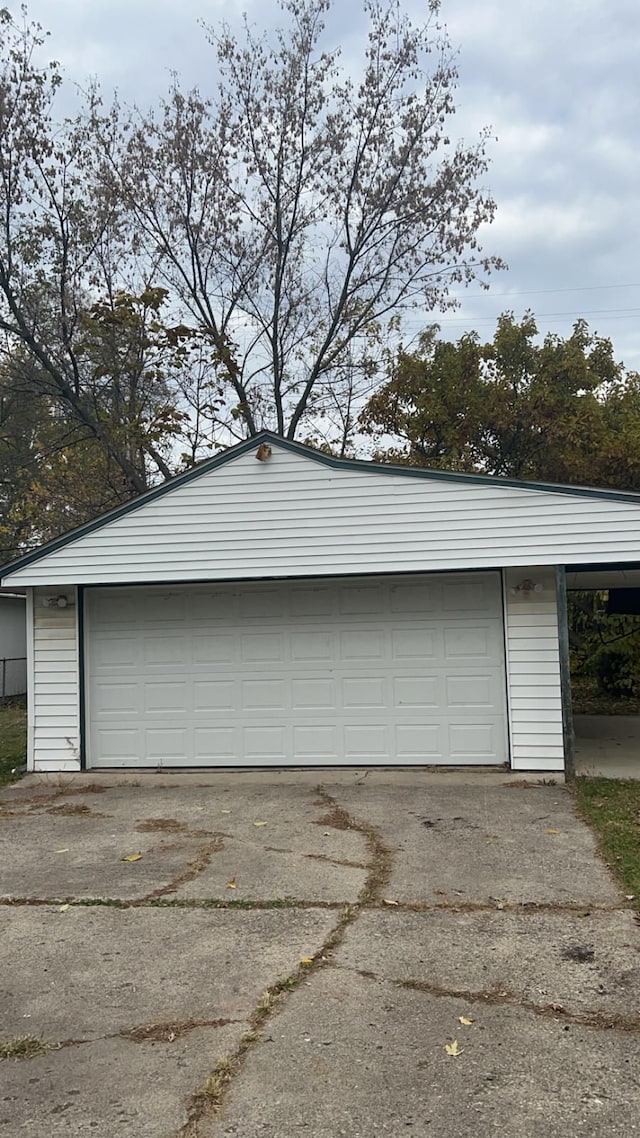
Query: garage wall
53, 696
533, 677
295, 516
533, 671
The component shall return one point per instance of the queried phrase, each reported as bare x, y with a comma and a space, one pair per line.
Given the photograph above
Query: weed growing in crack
215, 1086
24, 1047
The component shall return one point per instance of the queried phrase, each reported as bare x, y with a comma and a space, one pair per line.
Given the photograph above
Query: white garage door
370, 671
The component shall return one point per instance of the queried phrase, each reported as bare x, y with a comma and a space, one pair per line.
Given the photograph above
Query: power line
488, 293
610, 313
474, 322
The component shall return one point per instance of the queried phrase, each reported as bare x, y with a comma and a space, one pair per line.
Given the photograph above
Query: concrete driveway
309, 955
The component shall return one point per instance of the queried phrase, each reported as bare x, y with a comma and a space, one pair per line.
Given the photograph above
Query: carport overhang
615, 575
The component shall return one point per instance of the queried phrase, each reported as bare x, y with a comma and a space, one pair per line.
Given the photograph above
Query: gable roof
403, 474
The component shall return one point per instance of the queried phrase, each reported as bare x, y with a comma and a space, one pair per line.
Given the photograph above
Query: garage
384, 670
277, 606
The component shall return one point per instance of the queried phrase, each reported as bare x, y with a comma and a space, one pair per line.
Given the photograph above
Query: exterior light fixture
526, 587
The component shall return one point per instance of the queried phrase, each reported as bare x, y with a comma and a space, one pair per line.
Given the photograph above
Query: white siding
54, 711
294, 516
533, 672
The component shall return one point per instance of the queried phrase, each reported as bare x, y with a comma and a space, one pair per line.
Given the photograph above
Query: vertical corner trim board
533, 670
54, 668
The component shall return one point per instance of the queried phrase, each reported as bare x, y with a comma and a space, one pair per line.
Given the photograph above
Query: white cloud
556, 80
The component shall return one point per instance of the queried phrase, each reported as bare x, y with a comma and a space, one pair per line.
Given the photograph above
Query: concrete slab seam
206, 1103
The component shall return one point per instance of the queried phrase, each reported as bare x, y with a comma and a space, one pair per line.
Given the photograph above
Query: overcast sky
555, 79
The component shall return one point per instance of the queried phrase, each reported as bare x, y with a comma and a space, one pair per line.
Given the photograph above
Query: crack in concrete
163, 1031
206, 1103
166, 902
598, 1019
193, 869
519, 908
335, 861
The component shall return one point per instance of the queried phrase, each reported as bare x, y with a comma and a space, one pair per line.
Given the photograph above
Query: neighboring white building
13, 644
297, 609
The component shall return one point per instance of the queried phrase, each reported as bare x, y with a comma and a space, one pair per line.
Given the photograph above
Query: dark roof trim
317, 456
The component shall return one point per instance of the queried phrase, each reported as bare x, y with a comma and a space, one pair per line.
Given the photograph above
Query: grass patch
13, 742
25, 1047
612, 809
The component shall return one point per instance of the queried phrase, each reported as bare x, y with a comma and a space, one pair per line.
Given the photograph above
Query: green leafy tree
559, 410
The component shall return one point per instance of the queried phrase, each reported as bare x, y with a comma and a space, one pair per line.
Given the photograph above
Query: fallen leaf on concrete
452, 1048
132, 857
386, 902
466, 1020
260, 823
63, 908
307, 960
67, 851
553, 831
232, 884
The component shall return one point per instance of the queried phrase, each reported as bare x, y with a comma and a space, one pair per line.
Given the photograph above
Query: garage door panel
263, 695
312, 602
358, 600
265, 742
462, 594
214, 607
368, 644
366, 742
168, 745
419, 743
117, 699
167, 697
360, 673
313, 693
114, 650
317, 743
121, 745
472, 742
159, 650
309, 647
417, 691
164, 608
209, 648
470, 691
215, 745
425, 644
364, 692
215, 695
415, 599
267, 604
262, 648
469, 642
